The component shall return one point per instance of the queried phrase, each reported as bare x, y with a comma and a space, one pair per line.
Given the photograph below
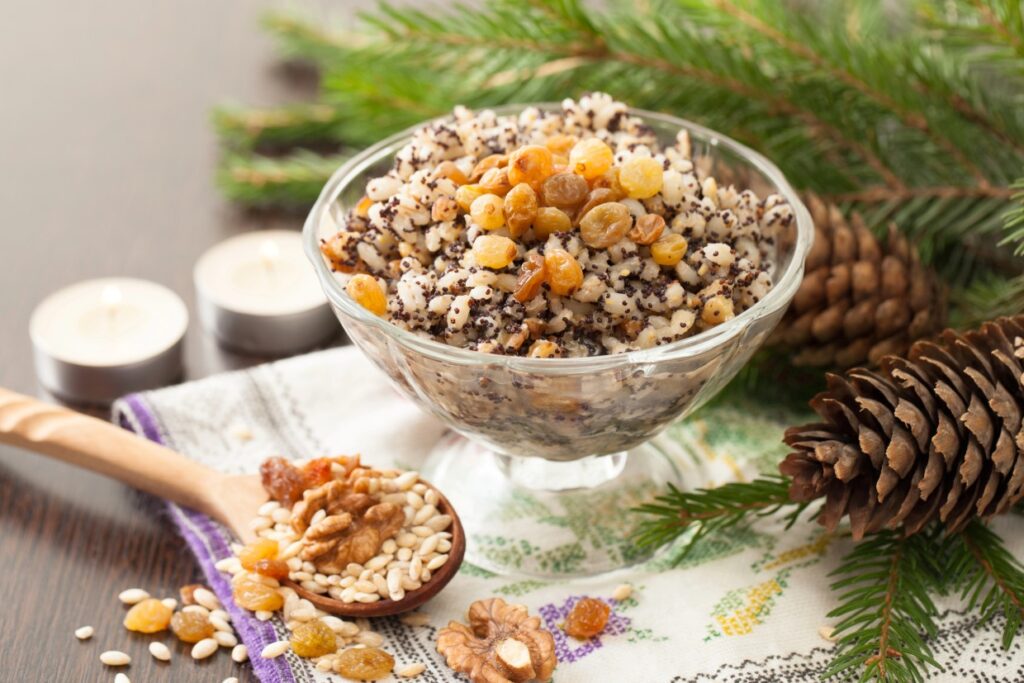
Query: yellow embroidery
816, 547
743, 619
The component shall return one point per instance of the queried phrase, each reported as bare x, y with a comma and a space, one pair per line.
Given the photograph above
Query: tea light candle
100, 339
256, 292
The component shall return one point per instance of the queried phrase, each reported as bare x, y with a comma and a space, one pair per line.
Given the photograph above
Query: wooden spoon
231, 499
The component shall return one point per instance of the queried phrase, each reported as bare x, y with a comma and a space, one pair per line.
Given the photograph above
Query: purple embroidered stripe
209, 542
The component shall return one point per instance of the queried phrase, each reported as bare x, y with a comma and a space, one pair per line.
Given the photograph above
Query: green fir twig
994, 583
293, 181
706, 512
885, 609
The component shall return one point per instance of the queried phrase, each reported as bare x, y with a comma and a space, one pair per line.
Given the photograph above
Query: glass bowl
554, 452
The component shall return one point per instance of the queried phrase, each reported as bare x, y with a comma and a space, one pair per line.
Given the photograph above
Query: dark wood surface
107, 168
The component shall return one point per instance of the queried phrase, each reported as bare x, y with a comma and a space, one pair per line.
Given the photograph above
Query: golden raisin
565, 191
564, 274
257, 596
598, 196
260, 549
448, 169
313, 639
647, 229
148, 616
605, 224
590, 158
487, 211
496, 181
465, 195
191, 627
669, 249
187, 593
530, 164
367, 292
587, 618
520, 209
364, 663
363, 207
560, 144
531, 277
717, 310
494, 251
486, 164
609, 180
282, 480
275, 569
318, 470
641, 177
542, 348
550, 220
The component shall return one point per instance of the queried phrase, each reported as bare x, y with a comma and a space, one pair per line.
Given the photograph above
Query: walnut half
353, 530
502, 644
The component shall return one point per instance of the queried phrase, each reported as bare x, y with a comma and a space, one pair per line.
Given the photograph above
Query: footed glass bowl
548, 455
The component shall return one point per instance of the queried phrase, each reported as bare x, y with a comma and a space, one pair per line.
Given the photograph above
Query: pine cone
935, 435
858, 301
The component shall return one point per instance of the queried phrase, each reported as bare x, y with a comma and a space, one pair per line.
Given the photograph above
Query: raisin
486, 164
317, 472
448, 169
256, 596
647, 229
565, 191
188, 593
313, 639
560, 144
669, 249
564, 274
487, 211
148, 616
605, 224
641, 177
530, 164
366, 292
550, 220
587, 618
609, 180
465, 195
275, 569
363, 207
520, 209
364, 663
531, 277
598, 196
191, 627
590, 158
282, 480
494, 251
496, 181
260, 549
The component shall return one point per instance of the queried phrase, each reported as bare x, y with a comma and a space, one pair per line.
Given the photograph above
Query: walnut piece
353, 530
502, 644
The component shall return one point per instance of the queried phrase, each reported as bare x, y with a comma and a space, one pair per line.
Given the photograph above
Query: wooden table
107, 169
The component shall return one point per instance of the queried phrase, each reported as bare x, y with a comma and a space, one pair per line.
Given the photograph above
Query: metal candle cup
256, 293
100, 339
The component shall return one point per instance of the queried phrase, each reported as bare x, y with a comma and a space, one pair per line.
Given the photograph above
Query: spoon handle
99, 446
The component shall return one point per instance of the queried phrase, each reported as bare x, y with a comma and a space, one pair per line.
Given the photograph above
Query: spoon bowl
231, 499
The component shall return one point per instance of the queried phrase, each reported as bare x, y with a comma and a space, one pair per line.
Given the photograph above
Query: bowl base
546, 519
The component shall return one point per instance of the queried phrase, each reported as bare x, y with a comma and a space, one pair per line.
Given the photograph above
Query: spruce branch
292, 181
712, 511
913, 119
885, 609
995, 578
294, 124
